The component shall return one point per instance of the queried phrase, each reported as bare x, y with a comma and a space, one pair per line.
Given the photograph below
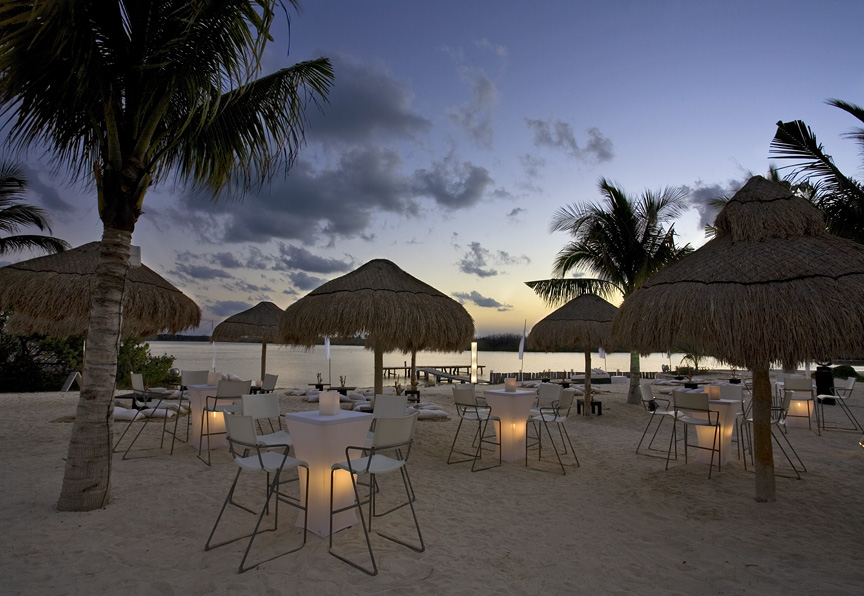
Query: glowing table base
321, 442
514, 409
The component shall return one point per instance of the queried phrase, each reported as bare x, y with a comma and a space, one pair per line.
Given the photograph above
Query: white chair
685, 405
251, 456
151, 403
386, 406
225, 390
547, 394
268, 384
658, 409
468, 409
779, 412
265, 407
555, 413
389, 453
802, 390
187, 377
839, 398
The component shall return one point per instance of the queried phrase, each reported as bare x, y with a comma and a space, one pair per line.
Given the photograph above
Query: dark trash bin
825, 383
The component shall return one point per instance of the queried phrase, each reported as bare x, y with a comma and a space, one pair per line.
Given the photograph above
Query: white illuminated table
728, 410
197, 400
801, 411
321, 442
514, 409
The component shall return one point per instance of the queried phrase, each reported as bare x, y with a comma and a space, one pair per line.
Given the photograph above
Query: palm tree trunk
634, 395
586, 407
763, 449
379, 370
87, 478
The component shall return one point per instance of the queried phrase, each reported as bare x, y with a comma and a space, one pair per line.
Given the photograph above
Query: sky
455, 129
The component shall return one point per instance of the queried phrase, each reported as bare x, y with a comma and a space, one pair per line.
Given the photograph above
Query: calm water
297, 367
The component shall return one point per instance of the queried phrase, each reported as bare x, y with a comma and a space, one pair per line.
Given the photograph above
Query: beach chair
151, 403
386, 406
264, 410
779, 412
689, 409
468, 409
839, 397
268, 384
801, 389
555, 413
657, 409
389, 453
187, 377
251, 456
225, 390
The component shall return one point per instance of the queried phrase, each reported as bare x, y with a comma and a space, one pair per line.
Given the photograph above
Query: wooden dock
450, 372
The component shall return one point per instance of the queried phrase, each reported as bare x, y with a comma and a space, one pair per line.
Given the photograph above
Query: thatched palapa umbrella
394, 310
51, 295
771, 286
585, 321
260, 322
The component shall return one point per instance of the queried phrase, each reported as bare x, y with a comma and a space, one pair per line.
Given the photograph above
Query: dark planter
734, 381
691, 386
679, 378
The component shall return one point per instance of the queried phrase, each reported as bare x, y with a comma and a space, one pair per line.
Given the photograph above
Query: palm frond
557, 291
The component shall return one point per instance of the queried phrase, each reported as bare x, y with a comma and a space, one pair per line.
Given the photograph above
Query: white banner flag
521, 347
601, 352
327, 347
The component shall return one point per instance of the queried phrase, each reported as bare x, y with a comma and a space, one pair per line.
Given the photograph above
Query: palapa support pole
763, 450
379, 370
586, 409
263, 359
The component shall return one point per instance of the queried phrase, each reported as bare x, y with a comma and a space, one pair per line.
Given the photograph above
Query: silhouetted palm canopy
134, 92
840, 197
15, 215
622, 241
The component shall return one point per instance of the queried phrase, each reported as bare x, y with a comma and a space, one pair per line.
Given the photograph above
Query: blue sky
455, 129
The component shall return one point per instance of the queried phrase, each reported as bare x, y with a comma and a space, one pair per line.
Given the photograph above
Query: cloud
495, 48
305, 282
559, 135
481, 301
478, 259
227, 260
226, 308
452, 185
48, 195
531, 164
515, 212
701, 195
475, 117
366, 101
295, 257
200, 272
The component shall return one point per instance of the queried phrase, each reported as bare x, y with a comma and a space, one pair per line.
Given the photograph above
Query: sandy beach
618, 524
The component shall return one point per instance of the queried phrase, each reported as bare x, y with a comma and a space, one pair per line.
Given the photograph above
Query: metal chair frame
659, 412
468, 408
684, 403
839, 397
225, 390
779, 412
556, 413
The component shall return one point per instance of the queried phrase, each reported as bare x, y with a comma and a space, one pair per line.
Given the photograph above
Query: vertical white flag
522, 347
327, 347
601, 352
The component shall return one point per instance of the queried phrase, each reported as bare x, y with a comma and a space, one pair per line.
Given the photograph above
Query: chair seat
697, 421
549, 418
227, 408
479, 415
272, 461
379, 464
279, 438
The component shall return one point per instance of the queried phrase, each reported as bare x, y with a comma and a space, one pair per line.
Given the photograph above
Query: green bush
844, 371
134, 356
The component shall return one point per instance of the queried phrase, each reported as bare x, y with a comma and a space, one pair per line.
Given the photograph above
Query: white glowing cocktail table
321, 441
514, 409
197, 400
727, 410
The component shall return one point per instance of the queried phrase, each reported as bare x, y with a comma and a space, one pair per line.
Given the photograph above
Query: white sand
618, 524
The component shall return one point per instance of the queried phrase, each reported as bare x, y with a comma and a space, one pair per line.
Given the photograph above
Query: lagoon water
297, 367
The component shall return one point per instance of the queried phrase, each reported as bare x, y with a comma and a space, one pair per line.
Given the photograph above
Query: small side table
596, 407
413, 395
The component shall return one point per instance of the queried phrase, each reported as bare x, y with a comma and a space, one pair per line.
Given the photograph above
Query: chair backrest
389, 406
394, 431
269, 382
262, 405
549, 391
850, 384
731, 391
697, 402
464, 395
137, 382
241, 429
647, 392
193, 377
233, 388
793, 384
566, 401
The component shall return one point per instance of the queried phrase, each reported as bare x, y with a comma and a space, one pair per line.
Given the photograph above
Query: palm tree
840, 197
622, 241
14, 215
135, 92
